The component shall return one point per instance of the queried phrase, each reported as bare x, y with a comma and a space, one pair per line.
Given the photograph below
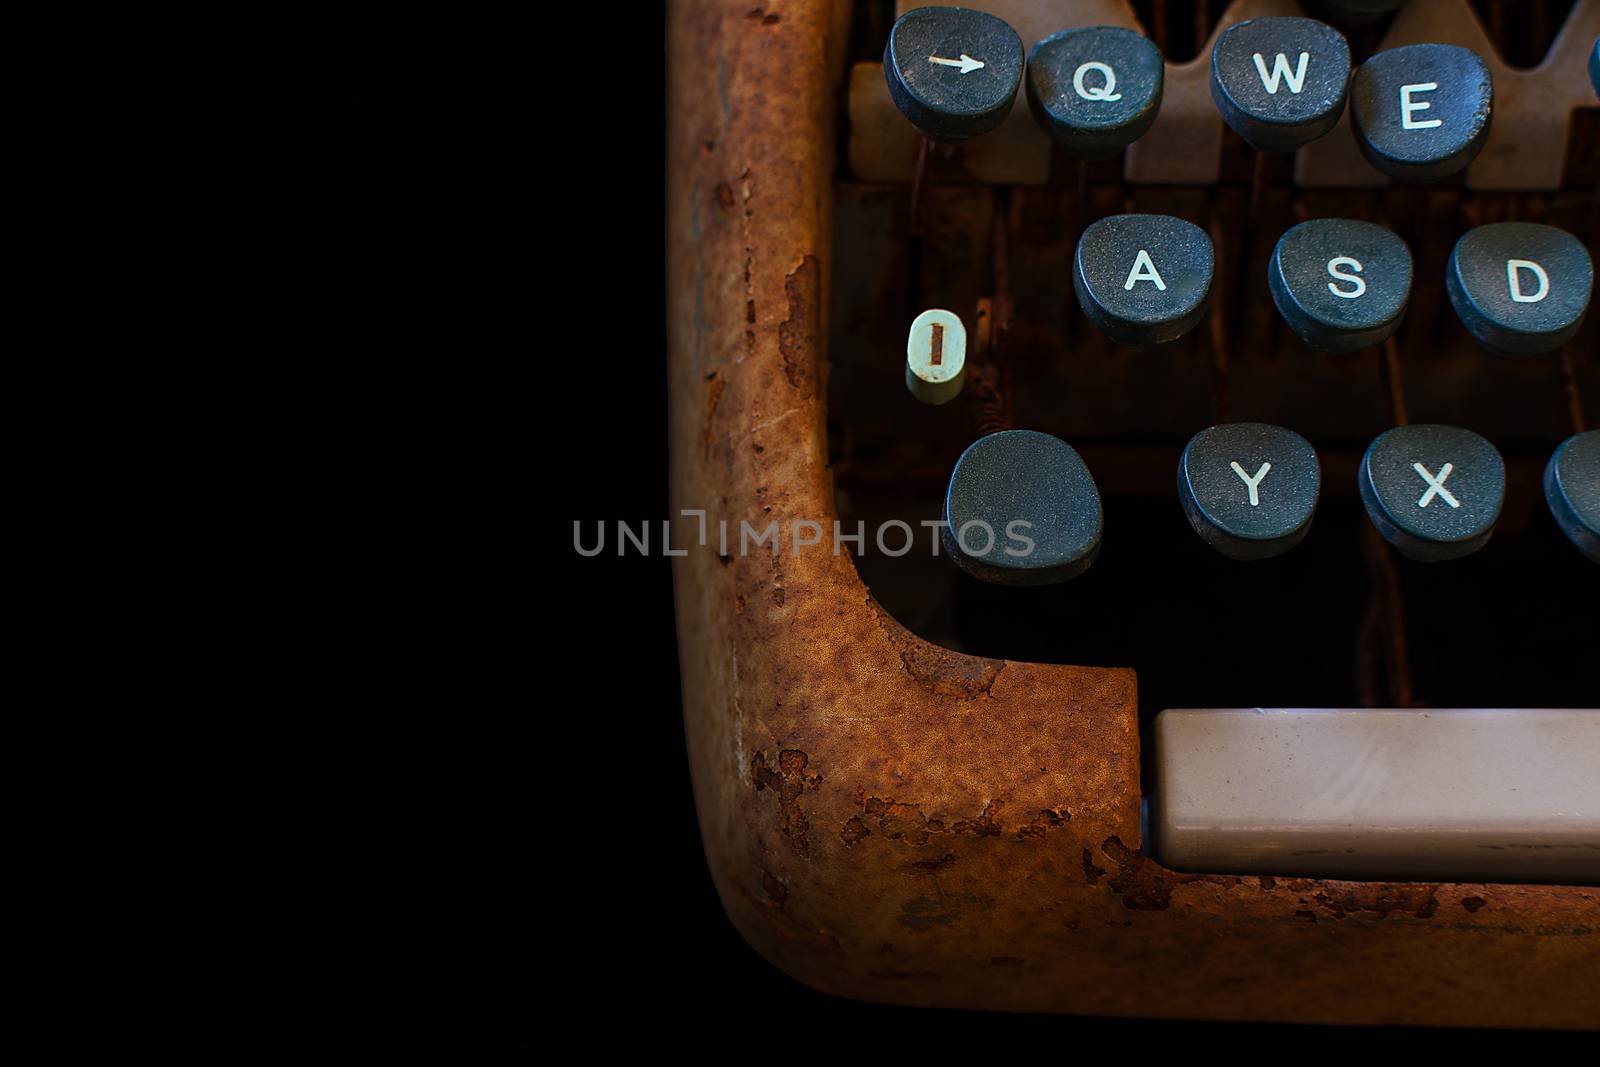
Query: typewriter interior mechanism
1174, 418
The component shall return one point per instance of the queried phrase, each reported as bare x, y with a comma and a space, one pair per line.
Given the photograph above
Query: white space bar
1463, 794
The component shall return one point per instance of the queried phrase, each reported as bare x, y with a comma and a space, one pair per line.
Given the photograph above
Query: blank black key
1095, 90
1520, 287
1422, 112
1022, 509
1280, 82
1144, 279
1340, 284
952, 72
1572, 489
1433, 492
1249, 489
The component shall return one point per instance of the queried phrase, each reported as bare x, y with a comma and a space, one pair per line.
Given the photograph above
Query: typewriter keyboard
1249, 344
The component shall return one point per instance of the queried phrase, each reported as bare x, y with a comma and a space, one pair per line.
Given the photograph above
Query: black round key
1144, 279
1433, 492
1249, 489
1095, 90
1572, 489
1520, 287
1341, 284
1421, 112
1280, 81
951, 71
1022, 509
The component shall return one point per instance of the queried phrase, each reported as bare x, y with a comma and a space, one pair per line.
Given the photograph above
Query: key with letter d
1520, 287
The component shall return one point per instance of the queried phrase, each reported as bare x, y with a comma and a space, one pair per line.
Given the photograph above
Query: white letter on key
1144, 271
1407, 106
1251, 483
1102, 92
1333, 268
1280, 69
1514, 269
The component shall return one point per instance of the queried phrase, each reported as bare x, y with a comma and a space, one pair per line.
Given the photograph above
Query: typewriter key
1421, 112
1520, 287
1279, 81
1249, 489
1095, 90
1022, 509
952, 72
1433, 492
1339, 283
936, 356
1143, 279
1572, 489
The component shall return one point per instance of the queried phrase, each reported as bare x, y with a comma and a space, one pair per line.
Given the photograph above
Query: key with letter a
1144, 279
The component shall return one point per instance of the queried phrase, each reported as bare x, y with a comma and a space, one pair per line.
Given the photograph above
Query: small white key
936, 356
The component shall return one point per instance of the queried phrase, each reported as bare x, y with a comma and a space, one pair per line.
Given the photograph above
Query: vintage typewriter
1173, 418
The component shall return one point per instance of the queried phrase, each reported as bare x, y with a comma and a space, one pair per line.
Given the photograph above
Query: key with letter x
1434, 492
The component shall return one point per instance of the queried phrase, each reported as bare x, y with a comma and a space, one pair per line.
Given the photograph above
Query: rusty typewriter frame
889, 820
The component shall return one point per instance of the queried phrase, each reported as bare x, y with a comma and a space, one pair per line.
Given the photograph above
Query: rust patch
798, 334
900, 821
713, 398
789, 781
1143, 884
942, 909
1268, 882
1419, 900
854, 830
939, 670
725, 196
931, 866
777, 892
1042, 822
1091, 873
1472, 904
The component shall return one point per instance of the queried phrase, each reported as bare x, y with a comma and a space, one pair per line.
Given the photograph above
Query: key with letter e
1421, 112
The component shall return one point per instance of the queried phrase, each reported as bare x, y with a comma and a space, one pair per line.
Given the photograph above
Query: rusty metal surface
888, 820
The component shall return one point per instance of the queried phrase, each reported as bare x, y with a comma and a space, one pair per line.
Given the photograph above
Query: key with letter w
1280, 70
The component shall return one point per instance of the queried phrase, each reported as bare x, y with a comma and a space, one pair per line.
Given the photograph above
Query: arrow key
954, 73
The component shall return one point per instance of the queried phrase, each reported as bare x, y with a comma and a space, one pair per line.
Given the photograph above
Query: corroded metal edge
891, 821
